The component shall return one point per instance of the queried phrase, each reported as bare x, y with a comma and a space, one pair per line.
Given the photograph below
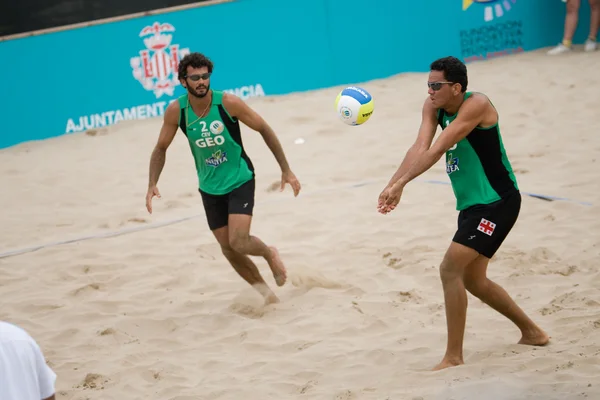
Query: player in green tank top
221, 162
210, 121
486, 192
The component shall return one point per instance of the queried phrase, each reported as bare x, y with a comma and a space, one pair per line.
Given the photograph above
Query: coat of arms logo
156, 66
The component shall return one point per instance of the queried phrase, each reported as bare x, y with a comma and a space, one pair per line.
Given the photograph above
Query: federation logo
491, 8
156, 66
216, 127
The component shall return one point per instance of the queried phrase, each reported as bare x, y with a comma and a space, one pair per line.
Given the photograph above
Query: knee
227, 250
450, 271
239, 243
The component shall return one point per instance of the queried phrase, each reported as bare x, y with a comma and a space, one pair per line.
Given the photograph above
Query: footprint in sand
549, 217
108, 331
409, 297
393, 262
550, 310
93, 381
309, 385
345, 395
247, 311
151, 376
92, 287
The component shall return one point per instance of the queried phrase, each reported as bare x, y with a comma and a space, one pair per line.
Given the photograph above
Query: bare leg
495, 296
244, 266
244, 243
571, 20
594, 18
455, 298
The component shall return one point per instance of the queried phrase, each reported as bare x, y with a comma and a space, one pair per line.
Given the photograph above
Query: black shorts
484, 227
218, 207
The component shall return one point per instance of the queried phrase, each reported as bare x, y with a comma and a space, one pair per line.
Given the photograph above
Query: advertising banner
71, 81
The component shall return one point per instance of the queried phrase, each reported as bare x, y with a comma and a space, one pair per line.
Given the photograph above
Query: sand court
159, 314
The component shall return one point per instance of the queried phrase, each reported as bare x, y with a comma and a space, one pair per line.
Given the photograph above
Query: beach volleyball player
487, 197
210, 121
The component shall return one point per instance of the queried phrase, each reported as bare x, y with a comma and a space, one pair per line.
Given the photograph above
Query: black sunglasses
197, 77
437, 85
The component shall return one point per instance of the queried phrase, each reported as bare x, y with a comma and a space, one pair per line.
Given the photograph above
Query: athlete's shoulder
174, 106
181, 101
233, 104
480, 106
230, 99
172, 112
477, 99
476, 103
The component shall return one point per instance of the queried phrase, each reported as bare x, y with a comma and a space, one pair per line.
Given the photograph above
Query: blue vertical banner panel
495, 28
86, 78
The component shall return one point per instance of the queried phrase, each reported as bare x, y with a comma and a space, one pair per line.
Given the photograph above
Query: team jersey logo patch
486, 226
216, 127
451, 164
217, 158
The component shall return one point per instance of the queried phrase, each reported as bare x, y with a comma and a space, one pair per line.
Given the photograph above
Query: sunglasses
437, 85
197, 77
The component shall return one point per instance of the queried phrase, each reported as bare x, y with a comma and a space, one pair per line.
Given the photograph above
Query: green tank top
216, 144
478, 167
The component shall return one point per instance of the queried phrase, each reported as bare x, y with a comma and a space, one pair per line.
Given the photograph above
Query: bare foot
277, 267
266, 293
271, 299
448, 363
535, 338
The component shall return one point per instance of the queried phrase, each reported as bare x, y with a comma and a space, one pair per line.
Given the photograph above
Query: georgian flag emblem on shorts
486, 226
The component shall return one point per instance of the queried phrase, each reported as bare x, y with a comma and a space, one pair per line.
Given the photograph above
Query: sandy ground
159, 314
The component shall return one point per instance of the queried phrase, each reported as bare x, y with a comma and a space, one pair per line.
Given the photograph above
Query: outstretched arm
471, 114
421, 144
239, 109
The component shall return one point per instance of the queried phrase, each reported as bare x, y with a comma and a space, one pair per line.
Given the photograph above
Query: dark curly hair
454, 70
194, 60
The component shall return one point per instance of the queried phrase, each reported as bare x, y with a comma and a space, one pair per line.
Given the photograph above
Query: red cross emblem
486, 227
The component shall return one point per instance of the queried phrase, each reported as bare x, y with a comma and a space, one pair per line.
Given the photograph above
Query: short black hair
454, 70
194, 60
